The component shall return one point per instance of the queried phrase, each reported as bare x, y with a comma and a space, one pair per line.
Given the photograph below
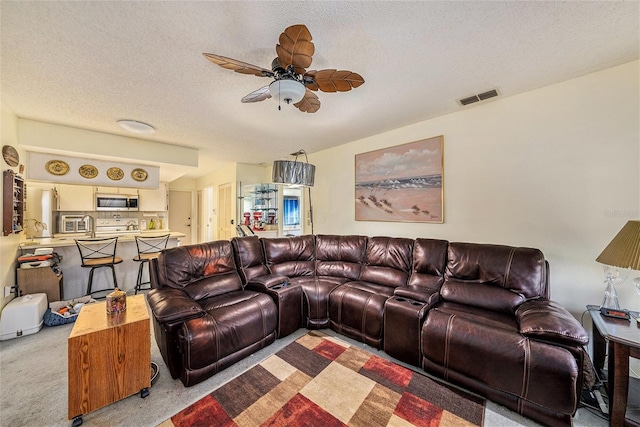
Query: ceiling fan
292, 83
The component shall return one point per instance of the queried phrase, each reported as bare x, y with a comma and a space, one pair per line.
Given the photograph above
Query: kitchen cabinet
154, 199
74, 197
116, 190
40, 280
13, 200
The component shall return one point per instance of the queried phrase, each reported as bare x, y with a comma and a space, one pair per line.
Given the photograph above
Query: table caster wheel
143, 393
77, 421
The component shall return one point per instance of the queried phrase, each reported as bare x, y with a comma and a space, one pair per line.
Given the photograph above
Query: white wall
556, 168
8, 244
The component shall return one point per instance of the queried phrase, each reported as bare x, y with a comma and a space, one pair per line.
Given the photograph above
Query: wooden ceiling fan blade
238, 66
331, 80
257, 95
309, 103
295, 48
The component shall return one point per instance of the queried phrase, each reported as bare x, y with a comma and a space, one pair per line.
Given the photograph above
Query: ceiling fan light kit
289, 91
292, 83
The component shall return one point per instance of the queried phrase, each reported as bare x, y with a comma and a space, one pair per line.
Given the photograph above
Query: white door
180, 214
226, 228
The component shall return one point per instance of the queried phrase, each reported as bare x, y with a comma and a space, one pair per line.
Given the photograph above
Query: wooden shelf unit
13, 199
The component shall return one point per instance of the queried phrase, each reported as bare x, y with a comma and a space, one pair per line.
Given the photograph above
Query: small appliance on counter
73, 224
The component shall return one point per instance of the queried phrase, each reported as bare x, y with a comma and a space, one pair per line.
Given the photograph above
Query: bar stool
148, 248
98, 253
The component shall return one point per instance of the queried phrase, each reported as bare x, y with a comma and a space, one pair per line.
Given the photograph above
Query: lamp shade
624, 249
289, 91
292, 172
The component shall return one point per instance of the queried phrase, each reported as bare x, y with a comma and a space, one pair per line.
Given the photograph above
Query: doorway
226, 227
180, 214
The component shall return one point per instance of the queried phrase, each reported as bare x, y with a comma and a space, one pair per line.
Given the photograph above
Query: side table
623, 339
109, 356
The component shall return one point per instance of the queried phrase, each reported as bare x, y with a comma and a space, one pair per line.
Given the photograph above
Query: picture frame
403, 183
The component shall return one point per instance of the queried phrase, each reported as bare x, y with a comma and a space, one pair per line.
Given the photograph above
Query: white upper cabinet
116, 190
154, 199
74, 197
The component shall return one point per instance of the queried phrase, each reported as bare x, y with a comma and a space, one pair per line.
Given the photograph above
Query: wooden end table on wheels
109, 356
623, 338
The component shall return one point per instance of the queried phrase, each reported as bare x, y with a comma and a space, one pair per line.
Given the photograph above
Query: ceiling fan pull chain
279, 95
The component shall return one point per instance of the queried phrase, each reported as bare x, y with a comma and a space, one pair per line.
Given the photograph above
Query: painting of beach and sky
401, 183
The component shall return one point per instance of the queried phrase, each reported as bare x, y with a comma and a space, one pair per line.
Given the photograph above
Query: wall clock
10, 155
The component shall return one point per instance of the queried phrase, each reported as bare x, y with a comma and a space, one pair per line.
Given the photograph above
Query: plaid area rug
320, 380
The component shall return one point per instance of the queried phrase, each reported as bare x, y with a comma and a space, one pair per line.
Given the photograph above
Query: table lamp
622, 253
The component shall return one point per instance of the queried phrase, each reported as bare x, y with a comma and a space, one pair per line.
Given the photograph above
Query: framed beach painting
402, 183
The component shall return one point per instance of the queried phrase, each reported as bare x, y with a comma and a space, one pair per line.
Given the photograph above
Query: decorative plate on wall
10, 155
57, 167
115, 174
88, 171
139, 174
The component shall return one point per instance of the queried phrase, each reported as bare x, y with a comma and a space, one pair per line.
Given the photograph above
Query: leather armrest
549, 321
426, 296
170, 305
267, 281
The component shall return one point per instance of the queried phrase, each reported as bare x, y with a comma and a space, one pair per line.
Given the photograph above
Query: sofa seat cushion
315, 294
356, 310
486, 347
233, 322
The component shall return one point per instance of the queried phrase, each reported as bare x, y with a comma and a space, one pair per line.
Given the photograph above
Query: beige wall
8, 244
556, 168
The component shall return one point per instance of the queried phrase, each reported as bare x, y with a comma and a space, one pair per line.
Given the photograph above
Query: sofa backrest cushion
290, 256
340, 256
428, 264
249, 257
202, 270
387, 261
495, 277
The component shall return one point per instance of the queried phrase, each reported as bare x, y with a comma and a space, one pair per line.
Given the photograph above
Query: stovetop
117, 226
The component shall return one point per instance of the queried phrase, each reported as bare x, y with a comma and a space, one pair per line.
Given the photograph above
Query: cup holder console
280, 286
410, 301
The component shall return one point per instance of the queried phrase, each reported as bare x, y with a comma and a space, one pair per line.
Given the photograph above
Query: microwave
117, 202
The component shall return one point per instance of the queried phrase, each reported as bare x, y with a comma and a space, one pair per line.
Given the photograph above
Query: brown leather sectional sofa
476, 315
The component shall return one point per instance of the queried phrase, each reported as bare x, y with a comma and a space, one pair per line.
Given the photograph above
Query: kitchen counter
75, 277
69, 239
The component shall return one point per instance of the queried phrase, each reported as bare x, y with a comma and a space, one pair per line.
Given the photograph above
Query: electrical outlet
7, 291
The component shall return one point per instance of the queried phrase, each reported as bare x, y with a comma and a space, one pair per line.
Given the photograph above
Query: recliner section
474, 314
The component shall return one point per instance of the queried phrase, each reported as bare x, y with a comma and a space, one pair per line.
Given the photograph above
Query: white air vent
479, 97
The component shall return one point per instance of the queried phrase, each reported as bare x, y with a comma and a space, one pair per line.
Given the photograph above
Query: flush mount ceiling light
136, 127
289, 91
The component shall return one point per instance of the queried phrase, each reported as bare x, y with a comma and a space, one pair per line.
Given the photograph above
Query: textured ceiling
87, 64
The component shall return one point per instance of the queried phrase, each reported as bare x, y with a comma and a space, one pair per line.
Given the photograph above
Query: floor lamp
296, 173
